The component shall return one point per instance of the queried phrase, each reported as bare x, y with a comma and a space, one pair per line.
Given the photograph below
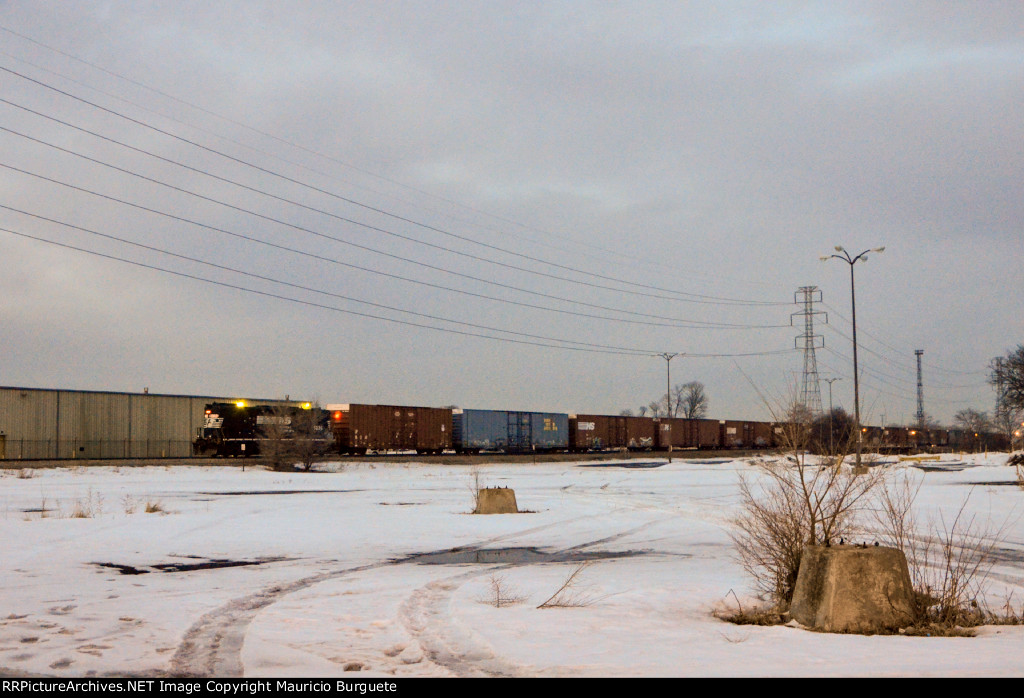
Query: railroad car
474, 431
361, 428
242, 429
598, 432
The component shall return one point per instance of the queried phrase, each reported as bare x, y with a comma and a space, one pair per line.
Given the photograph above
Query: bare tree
274, 431
1008, 422
1007, 375
656, 408
310, 437
691, 400
972, 420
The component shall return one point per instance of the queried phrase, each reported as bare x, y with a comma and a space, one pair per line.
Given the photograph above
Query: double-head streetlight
845, 256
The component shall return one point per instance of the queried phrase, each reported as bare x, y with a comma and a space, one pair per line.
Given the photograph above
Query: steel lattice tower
920, 390
810, 388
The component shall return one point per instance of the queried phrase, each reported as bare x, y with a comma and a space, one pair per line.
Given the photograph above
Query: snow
333, 595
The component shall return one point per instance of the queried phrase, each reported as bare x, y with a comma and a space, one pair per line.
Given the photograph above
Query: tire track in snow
212, 646
426, 615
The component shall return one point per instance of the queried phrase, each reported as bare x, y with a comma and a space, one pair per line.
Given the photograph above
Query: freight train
357, 429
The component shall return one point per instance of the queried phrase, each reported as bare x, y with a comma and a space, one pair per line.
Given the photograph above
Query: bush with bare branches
796, 502
570, 594
949, 562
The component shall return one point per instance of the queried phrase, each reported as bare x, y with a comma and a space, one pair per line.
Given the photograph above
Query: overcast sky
362, 200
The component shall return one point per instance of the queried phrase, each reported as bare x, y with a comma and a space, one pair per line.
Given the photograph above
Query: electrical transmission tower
1001, 410
810, 389
920, 390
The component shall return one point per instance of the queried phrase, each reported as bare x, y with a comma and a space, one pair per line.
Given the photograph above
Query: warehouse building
38, 423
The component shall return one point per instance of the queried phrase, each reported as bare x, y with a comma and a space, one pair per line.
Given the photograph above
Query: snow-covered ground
330, 591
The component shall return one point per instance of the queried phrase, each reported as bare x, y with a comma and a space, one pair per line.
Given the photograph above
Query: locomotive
240, 429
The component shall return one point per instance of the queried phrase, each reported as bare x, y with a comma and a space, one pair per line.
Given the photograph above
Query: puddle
185, 566
625, 464
243, 493
513, 556
940, 467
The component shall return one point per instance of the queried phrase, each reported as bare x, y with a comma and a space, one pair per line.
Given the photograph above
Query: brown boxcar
361, 428
688, 433
764, 435
736, 434
598, 432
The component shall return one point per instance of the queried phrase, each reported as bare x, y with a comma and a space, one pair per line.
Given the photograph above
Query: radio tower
810, 389
920, 390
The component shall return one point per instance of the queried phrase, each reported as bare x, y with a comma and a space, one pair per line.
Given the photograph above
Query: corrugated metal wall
40, 423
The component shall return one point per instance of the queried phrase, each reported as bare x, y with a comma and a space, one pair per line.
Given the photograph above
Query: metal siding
28, 419
44, 423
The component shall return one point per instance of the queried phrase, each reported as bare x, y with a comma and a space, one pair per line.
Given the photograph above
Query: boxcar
683, 433
736, 434
361, 428
512, 432
763, 434
597, 432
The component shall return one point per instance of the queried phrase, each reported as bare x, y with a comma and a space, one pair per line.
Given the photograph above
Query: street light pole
668, 390
845, 256
831, 427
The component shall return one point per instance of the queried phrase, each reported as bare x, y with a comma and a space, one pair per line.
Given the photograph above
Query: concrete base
496, 500
849, 589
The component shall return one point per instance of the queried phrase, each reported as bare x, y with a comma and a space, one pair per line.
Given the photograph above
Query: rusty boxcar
361, 428
598, 432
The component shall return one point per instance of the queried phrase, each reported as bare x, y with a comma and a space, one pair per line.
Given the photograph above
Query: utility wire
908, 364
689, 297
541, 340
389, 275
696, 324
621, 351
252, 189
290, 144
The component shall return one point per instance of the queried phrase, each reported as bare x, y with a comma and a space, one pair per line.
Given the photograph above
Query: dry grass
749, 616
474, 488
501, 594
88, 508
129, 504
154, 507
795, 503
949, 562
571, 594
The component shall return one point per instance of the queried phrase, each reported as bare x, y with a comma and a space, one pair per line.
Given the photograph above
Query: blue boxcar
501, 430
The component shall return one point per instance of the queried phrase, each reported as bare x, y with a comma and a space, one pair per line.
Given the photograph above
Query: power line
688, 296
581, 346
290, 144
900, 351
390, 275
693, 323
